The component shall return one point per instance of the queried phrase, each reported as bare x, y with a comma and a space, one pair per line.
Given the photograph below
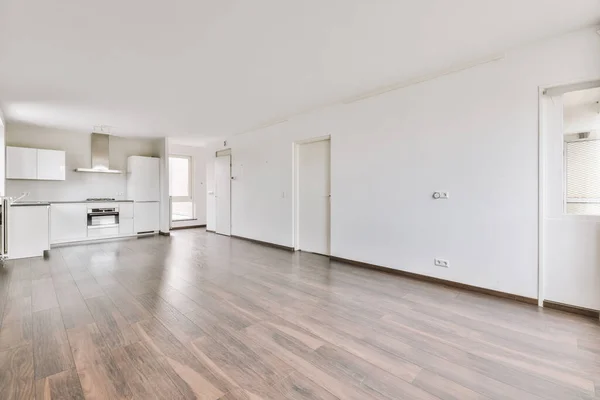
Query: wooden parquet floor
197, 315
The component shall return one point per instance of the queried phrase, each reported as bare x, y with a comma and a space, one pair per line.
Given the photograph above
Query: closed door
314, 197
223, 194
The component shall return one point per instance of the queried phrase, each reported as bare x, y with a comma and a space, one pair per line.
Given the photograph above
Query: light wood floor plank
16, 373
51, 350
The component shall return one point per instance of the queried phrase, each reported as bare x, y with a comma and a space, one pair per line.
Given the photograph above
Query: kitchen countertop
30, 204
47, 203
90, 201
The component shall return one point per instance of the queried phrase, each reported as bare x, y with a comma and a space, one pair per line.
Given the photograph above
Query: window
582, 159
181, 188
581, 130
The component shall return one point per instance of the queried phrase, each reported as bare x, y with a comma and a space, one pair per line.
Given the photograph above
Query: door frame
223, 153
296, 188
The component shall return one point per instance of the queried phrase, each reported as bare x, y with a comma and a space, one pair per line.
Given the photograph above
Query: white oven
103, 220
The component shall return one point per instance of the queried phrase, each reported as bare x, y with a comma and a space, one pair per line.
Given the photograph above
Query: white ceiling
202, 69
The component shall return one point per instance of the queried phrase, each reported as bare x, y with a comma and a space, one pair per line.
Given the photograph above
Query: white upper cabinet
51, 165
42, 164
21, 163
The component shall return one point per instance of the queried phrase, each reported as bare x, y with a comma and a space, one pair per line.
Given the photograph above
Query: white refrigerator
143, 187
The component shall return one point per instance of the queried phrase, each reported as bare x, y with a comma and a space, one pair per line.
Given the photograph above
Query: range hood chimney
100, 148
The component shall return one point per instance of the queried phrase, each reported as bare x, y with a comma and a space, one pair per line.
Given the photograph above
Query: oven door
102, 219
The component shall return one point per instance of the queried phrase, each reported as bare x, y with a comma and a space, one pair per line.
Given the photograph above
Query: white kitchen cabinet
146, 216
125, 210
68, 222
51, 165
125, 226
28, 231
41, 164
126, 219
21, 163
143, 178
102, 232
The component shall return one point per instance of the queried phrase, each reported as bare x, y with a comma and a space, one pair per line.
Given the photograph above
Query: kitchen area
70, 187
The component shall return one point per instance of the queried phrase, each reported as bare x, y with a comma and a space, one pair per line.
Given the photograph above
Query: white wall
165, 210
211, 216
77, 146
2, 154
473, 133
198, 155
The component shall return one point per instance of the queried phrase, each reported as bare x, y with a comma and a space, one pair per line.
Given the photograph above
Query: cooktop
100, 199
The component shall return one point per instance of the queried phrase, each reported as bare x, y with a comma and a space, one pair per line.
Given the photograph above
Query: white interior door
314, 197
223, 194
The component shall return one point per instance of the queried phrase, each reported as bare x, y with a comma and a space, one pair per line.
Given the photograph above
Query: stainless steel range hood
100, 149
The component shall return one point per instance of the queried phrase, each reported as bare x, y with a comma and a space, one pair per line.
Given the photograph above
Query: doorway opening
312, 200
569, 196
581, 127
223, 192
181, 188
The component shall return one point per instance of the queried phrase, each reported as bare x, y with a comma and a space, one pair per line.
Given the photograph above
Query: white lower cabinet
28, 231
146, 216
68, 222
126, 210
100, 232
125, 226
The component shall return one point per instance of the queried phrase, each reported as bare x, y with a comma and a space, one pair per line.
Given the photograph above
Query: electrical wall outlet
441, 263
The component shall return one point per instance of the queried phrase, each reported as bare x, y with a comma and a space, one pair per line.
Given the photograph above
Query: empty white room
295, 200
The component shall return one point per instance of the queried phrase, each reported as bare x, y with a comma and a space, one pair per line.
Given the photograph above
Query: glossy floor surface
197, 315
